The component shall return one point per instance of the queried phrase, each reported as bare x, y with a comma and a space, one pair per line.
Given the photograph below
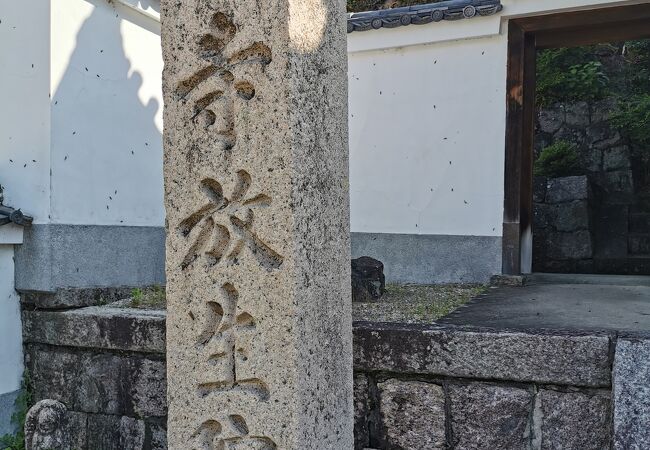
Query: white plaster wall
66, 135
426, 138
11, 352
106, 115
68, 138
105, 132
25, 113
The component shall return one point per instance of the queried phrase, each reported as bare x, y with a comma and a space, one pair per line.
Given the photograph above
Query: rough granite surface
485, 416
97, 327
105, 383
259, 328
65, 298
631, 391
83, 372
413, 414
361, 411
574, 420
557, 358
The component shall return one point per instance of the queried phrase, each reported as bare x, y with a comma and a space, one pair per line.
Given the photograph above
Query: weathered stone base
434, 387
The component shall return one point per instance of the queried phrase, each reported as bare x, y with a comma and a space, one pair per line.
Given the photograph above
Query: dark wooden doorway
525, 37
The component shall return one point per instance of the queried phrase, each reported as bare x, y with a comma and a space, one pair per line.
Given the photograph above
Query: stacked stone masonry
599, 222
105, 364
415, 387
563, 238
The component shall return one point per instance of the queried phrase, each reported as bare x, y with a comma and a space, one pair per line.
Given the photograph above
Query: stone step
639, 223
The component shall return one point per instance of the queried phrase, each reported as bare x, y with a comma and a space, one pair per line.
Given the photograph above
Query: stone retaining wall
107, 365
443, 387
563, 239
416, 387
601, 223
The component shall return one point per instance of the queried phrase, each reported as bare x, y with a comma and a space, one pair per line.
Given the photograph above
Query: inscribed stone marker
259, 334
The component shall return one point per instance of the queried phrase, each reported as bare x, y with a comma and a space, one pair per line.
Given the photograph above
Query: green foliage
637, 58
22, 405
152, 297
136, 296
557, 160
618, 71
569, 74
633, 119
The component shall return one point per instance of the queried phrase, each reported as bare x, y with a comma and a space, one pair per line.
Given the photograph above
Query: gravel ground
409, 303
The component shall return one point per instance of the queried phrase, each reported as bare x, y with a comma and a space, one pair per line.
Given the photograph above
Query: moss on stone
416, 303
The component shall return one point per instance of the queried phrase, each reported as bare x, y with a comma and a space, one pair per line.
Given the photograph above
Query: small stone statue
45, 426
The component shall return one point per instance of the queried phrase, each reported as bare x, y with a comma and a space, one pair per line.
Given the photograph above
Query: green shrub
633, 119
637, 65
136, 296
569, 74
22, 404
152, 297
557, 160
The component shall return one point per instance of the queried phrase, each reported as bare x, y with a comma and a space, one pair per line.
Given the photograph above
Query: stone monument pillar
259, 333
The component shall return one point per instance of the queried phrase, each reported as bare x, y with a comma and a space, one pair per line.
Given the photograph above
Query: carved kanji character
231, 434
225, 343
213, 88
222, 234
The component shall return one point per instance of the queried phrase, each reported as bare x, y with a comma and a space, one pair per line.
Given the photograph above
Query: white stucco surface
82, 114
106, 115
81, 118
11, 351
25, 112
63, 158
426, 138
24, 154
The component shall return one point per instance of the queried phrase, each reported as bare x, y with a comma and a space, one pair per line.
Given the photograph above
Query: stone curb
74, 297
544, 357
104, 327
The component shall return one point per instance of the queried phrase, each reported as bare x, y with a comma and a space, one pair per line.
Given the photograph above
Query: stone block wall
455, 387
415, 386
610, 232
562, 239
418, 412
107, 365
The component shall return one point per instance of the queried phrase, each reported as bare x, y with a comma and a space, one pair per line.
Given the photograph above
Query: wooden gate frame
525, 37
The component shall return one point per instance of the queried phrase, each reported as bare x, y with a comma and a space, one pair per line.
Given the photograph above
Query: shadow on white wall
106, 122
